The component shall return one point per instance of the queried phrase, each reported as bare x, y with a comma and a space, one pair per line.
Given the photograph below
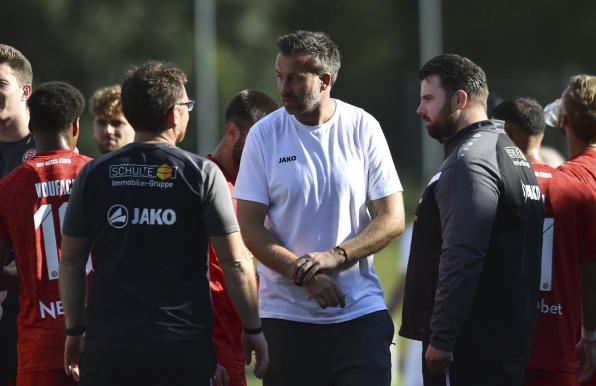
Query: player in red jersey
33, 201
553, 361
243, 111
578, 120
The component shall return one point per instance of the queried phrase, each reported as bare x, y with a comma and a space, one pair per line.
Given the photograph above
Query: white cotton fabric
316, 181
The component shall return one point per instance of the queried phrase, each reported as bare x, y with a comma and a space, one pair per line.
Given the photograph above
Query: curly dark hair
54, 106
458, 73
325, 53
148, 92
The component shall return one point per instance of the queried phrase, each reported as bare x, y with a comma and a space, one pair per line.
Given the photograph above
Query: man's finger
340, 296
262, 362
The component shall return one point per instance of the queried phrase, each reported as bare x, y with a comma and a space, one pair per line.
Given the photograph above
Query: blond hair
18, 63
579, 100
106, 101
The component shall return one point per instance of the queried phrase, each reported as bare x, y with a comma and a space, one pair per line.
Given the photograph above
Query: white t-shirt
316, 181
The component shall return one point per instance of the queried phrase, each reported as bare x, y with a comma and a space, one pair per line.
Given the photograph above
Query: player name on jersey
54, 188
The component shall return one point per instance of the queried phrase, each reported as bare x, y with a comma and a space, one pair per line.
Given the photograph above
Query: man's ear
76, 128
325, 81
171, 117
26, 91
460, 98
232, 131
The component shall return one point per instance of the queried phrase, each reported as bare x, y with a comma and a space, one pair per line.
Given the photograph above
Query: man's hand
307, 266
258, 344
73, 347
586, 354
325, 291
437, 361
221, 377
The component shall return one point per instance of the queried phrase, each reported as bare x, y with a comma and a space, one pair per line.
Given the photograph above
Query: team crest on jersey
29, 153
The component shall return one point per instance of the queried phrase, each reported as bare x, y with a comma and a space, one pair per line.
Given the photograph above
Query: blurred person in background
111, 130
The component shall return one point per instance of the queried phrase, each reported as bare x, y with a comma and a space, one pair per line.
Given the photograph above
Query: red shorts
45, 378
535, 377
236, 370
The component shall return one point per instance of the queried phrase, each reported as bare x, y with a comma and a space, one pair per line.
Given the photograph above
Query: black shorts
479, 371
8, 340
352, 353
102, 366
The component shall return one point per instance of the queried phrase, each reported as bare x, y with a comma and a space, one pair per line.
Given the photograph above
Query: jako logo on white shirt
287, 159
531, 192
118, 216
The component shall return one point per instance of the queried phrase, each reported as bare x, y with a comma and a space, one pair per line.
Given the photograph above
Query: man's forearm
73, 283
589, 295
241, 285
376, 236
267, 248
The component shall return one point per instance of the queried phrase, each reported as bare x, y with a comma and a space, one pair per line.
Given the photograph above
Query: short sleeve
4, 197
251, 183
218, 213
76, 223
382, 175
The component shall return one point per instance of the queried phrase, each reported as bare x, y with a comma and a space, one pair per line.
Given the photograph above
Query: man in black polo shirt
474, 267
148, 212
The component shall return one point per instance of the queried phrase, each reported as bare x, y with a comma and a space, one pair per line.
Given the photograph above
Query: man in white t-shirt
308, 174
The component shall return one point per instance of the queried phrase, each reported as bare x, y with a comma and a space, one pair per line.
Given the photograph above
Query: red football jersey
583, 168
564, 247
33, 201
227, 325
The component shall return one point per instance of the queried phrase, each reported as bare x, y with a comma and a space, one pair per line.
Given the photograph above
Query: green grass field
387, 267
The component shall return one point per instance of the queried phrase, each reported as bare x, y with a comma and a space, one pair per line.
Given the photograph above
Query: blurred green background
528, 47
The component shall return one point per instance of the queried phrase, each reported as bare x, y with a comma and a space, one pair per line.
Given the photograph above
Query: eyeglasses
190, 104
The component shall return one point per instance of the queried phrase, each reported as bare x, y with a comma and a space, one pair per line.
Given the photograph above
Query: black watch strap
75, 331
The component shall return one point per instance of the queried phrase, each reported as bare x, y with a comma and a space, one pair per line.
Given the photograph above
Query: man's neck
576, 146
14, 129
226, 159
167, 136
471, 115
44, 145
320, 115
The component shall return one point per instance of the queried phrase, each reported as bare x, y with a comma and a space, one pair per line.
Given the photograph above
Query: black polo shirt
149, 210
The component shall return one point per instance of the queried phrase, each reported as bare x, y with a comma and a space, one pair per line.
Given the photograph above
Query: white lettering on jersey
53, 309
54, 188
151, 216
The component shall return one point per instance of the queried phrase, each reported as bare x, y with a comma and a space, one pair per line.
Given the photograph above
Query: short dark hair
18, 63
458, 73
148, 92
523, 112
54, 106
579, 101
248, 106
325, 54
